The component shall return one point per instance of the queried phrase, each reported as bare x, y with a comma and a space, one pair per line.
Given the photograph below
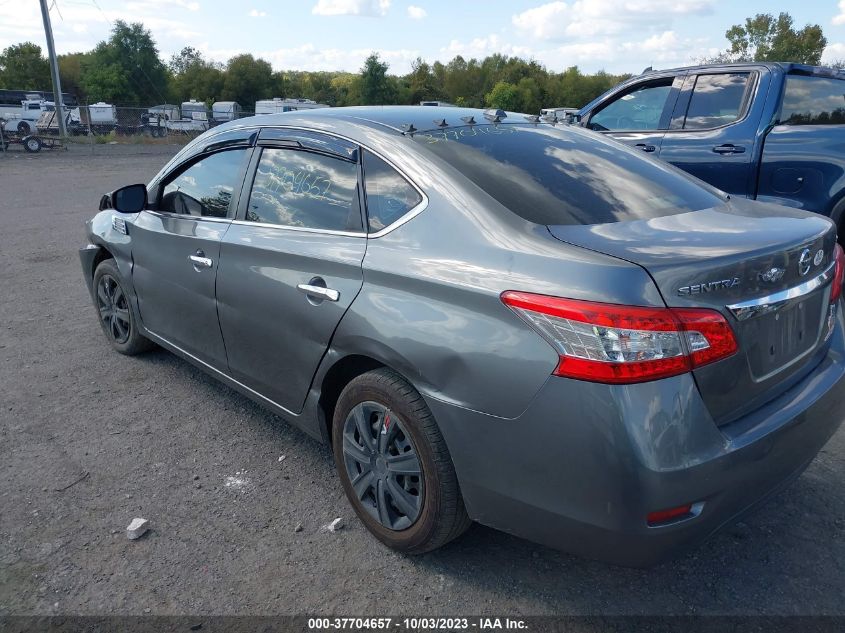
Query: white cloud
255, 13
351, 7
834, 53
480, 47
840, 19
591, 18
416, 13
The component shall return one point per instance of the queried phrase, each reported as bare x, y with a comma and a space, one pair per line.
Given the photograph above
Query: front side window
638, 109
716, 100
306, 190
389, 195
813, 101
205, 188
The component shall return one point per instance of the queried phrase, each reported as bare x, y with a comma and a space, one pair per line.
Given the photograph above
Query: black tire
441, 515
32, 144
116, 314
24, 128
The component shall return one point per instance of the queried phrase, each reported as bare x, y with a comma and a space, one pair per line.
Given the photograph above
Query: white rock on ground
137, 528
334, 526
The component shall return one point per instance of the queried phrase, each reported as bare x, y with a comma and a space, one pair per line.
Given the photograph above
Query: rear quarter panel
430, 307
804, 166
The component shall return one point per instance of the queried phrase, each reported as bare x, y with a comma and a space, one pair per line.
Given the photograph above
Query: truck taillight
610, 343
838, 275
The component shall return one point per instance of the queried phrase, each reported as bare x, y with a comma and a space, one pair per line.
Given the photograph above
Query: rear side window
306, 190
389, 195
205, 188
561, 175
716, 100
813, 101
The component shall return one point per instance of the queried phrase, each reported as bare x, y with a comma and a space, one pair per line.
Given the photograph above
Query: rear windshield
813, 101
553, 175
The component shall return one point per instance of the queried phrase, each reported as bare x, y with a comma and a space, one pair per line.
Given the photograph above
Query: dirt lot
90, 439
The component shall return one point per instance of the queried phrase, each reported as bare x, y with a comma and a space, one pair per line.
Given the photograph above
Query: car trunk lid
766, 268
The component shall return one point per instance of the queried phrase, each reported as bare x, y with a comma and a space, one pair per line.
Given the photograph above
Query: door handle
200, 261
646, 147
319, 291
729, 148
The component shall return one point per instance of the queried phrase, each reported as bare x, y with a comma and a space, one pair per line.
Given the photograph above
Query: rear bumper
581, 468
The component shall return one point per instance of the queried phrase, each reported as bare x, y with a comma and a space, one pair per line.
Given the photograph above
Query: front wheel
394, 464
116, 314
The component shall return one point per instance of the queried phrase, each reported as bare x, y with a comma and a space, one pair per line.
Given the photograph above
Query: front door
639, 115
290, 265
176, 253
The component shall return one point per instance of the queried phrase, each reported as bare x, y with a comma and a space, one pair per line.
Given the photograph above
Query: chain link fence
95, 127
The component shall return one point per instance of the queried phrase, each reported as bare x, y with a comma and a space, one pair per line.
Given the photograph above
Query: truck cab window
716, 100
640, 108
813, 101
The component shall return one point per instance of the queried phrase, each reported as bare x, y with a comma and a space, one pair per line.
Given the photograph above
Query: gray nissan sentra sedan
489, 318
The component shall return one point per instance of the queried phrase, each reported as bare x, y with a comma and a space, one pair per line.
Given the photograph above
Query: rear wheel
115, 311
32, 144
394, 464
24, 128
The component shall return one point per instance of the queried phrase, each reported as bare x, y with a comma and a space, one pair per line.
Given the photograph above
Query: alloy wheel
114, 309
383, 465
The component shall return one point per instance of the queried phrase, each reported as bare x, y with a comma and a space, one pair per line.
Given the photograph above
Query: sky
615, 35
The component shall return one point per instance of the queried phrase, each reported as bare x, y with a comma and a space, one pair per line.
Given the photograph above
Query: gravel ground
90, 439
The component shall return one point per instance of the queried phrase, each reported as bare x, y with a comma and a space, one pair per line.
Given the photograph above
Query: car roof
398, 119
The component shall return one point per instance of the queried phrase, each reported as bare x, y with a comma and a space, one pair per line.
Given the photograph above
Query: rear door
714, 129
640, 114
176, 250
290, 265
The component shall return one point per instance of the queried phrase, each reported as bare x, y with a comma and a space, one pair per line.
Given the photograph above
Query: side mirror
572, 118
130, 199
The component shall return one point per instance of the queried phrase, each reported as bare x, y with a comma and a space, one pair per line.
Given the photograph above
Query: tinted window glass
206, 187
639, 109
296, 188
716, 100
389, 195
558, 175
813, 101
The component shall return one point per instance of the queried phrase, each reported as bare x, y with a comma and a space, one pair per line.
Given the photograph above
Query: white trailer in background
277, 105
22, 117
222, 111
102, 117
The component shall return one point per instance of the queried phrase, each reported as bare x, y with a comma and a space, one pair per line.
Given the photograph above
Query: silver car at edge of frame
489, 318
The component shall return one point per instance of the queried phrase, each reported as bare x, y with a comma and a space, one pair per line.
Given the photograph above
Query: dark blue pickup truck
770, 131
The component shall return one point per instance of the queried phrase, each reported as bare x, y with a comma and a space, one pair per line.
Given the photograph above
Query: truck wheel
24, 128
32, 144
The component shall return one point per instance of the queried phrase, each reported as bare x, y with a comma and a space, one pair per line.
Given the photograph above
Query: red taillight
838, 275
610, 343
664, 516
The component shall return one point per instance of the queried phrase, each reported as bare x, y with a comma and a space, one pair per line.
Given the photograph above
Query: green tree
70, 72
421, 82
505, 96
194, 77
247, 80
765, 38
126, 68
376, 88
23, 67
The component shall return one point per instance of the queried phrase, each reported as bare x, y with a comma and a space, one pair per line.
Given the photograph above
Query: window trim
190, 162
685, 101
407, 217
399, 220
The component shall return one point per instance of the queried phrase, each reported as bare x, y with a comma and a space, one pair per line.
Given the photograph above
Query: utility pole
54, 69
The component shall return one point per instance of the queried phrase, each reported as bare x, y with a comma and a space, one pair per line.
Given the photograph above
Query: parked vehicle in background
561, 114
277, 105
222, 111
165, 111
769, 131
102, 118
489, 317
22, 118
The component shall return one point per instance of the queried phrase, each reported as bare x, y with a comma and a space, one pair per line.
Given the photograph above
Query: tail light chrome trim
771, 303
